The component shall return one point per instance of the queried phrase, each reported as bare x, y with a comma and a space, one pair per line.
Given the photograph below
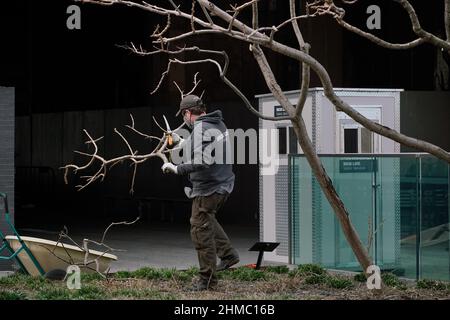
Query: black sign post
263, 247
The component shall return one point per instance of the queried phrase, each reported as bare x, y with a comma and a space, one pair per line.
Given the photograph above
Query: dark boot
227, 262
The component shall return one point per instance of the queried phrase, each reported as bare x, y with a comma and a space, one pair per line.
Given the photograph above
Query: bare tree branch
147, 7
160, 151
196, 83
305, 68
64, 234
193, 15
295, 26
157, 34
236, 10
322, 7
306, 76
417, 28
116, 224
208, 17
378, 41
234, 88
294, 19
255, 16
177, 8
222, 74
132, 128
126, 142
271, 82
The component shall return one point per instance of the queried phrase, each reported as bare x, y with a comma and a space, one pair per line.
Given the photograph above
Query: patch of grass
184, 276
12, 295
243, 274
179, 275
152, 273
305, 269
318, 276
123, 274
89, 292
360, 277
156, 295
148, 273
23, 280
313, 273
143, 294
191, 272
315, 279
292, 273
391, 280
128, 293
169, 274
283, 296
277, 269
11, 280
35, 283
53, 294
89, 277
339, 283
432, 285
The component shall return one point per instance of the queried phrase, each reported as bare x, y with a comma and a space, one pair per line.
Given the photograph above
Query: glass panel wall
399, 206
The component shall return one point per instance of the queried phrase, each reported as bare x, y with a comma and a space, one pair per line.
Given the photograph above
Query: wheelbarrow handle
5, 200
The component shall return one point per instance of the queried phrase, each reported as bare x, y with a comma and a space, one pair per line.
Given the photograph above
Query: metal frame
14, 254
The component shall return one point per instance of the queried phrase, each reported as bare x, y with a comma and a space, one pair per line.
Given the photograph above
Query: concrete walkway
161, 245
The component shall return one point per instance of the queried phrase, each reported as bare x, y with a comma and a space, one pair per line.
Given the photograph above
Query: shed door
353, 137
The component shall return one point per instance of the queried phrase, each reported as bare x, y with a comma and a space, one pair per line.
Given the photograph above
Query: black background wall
6, 157
67, 80
425, 115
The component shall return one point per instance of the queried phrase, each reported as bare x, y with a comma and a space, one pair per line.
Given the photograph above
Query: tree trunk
318, 170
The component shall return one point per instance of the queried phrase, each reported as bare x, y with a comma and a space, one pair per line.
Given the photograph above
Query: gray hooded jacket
208, 168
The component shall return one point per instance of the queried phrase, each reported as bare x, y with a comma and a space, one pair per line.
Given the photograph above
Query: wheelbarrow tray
52, 255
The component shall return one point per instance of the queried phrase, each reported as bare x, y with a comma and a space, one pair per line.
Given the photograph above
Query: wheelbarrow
36, 256
14, 253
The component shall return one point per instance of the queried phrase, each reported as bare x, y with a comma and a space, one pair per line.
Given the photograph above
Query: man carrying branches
212, 182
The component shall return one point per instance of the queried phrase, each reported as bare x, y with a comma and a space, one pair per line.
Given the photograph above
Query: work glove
169, 167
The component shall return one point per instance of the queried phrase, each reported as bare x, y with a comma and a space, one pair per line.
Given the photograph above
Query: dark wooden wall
47, 141
426, 115
6, 158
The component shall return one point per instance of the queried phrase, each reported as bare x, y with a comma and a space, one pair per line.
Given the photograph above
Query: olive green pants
209, 238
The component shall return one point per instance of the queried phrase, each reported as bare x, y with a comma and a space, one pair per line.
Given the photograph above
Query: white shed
331, 132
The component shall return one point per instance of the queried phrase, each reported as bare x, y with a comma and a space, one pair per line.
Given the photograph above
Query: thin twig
134, 157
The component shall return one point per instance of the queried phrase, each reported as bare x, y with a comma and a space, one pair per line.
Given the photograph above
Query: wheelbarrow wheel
55, 274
